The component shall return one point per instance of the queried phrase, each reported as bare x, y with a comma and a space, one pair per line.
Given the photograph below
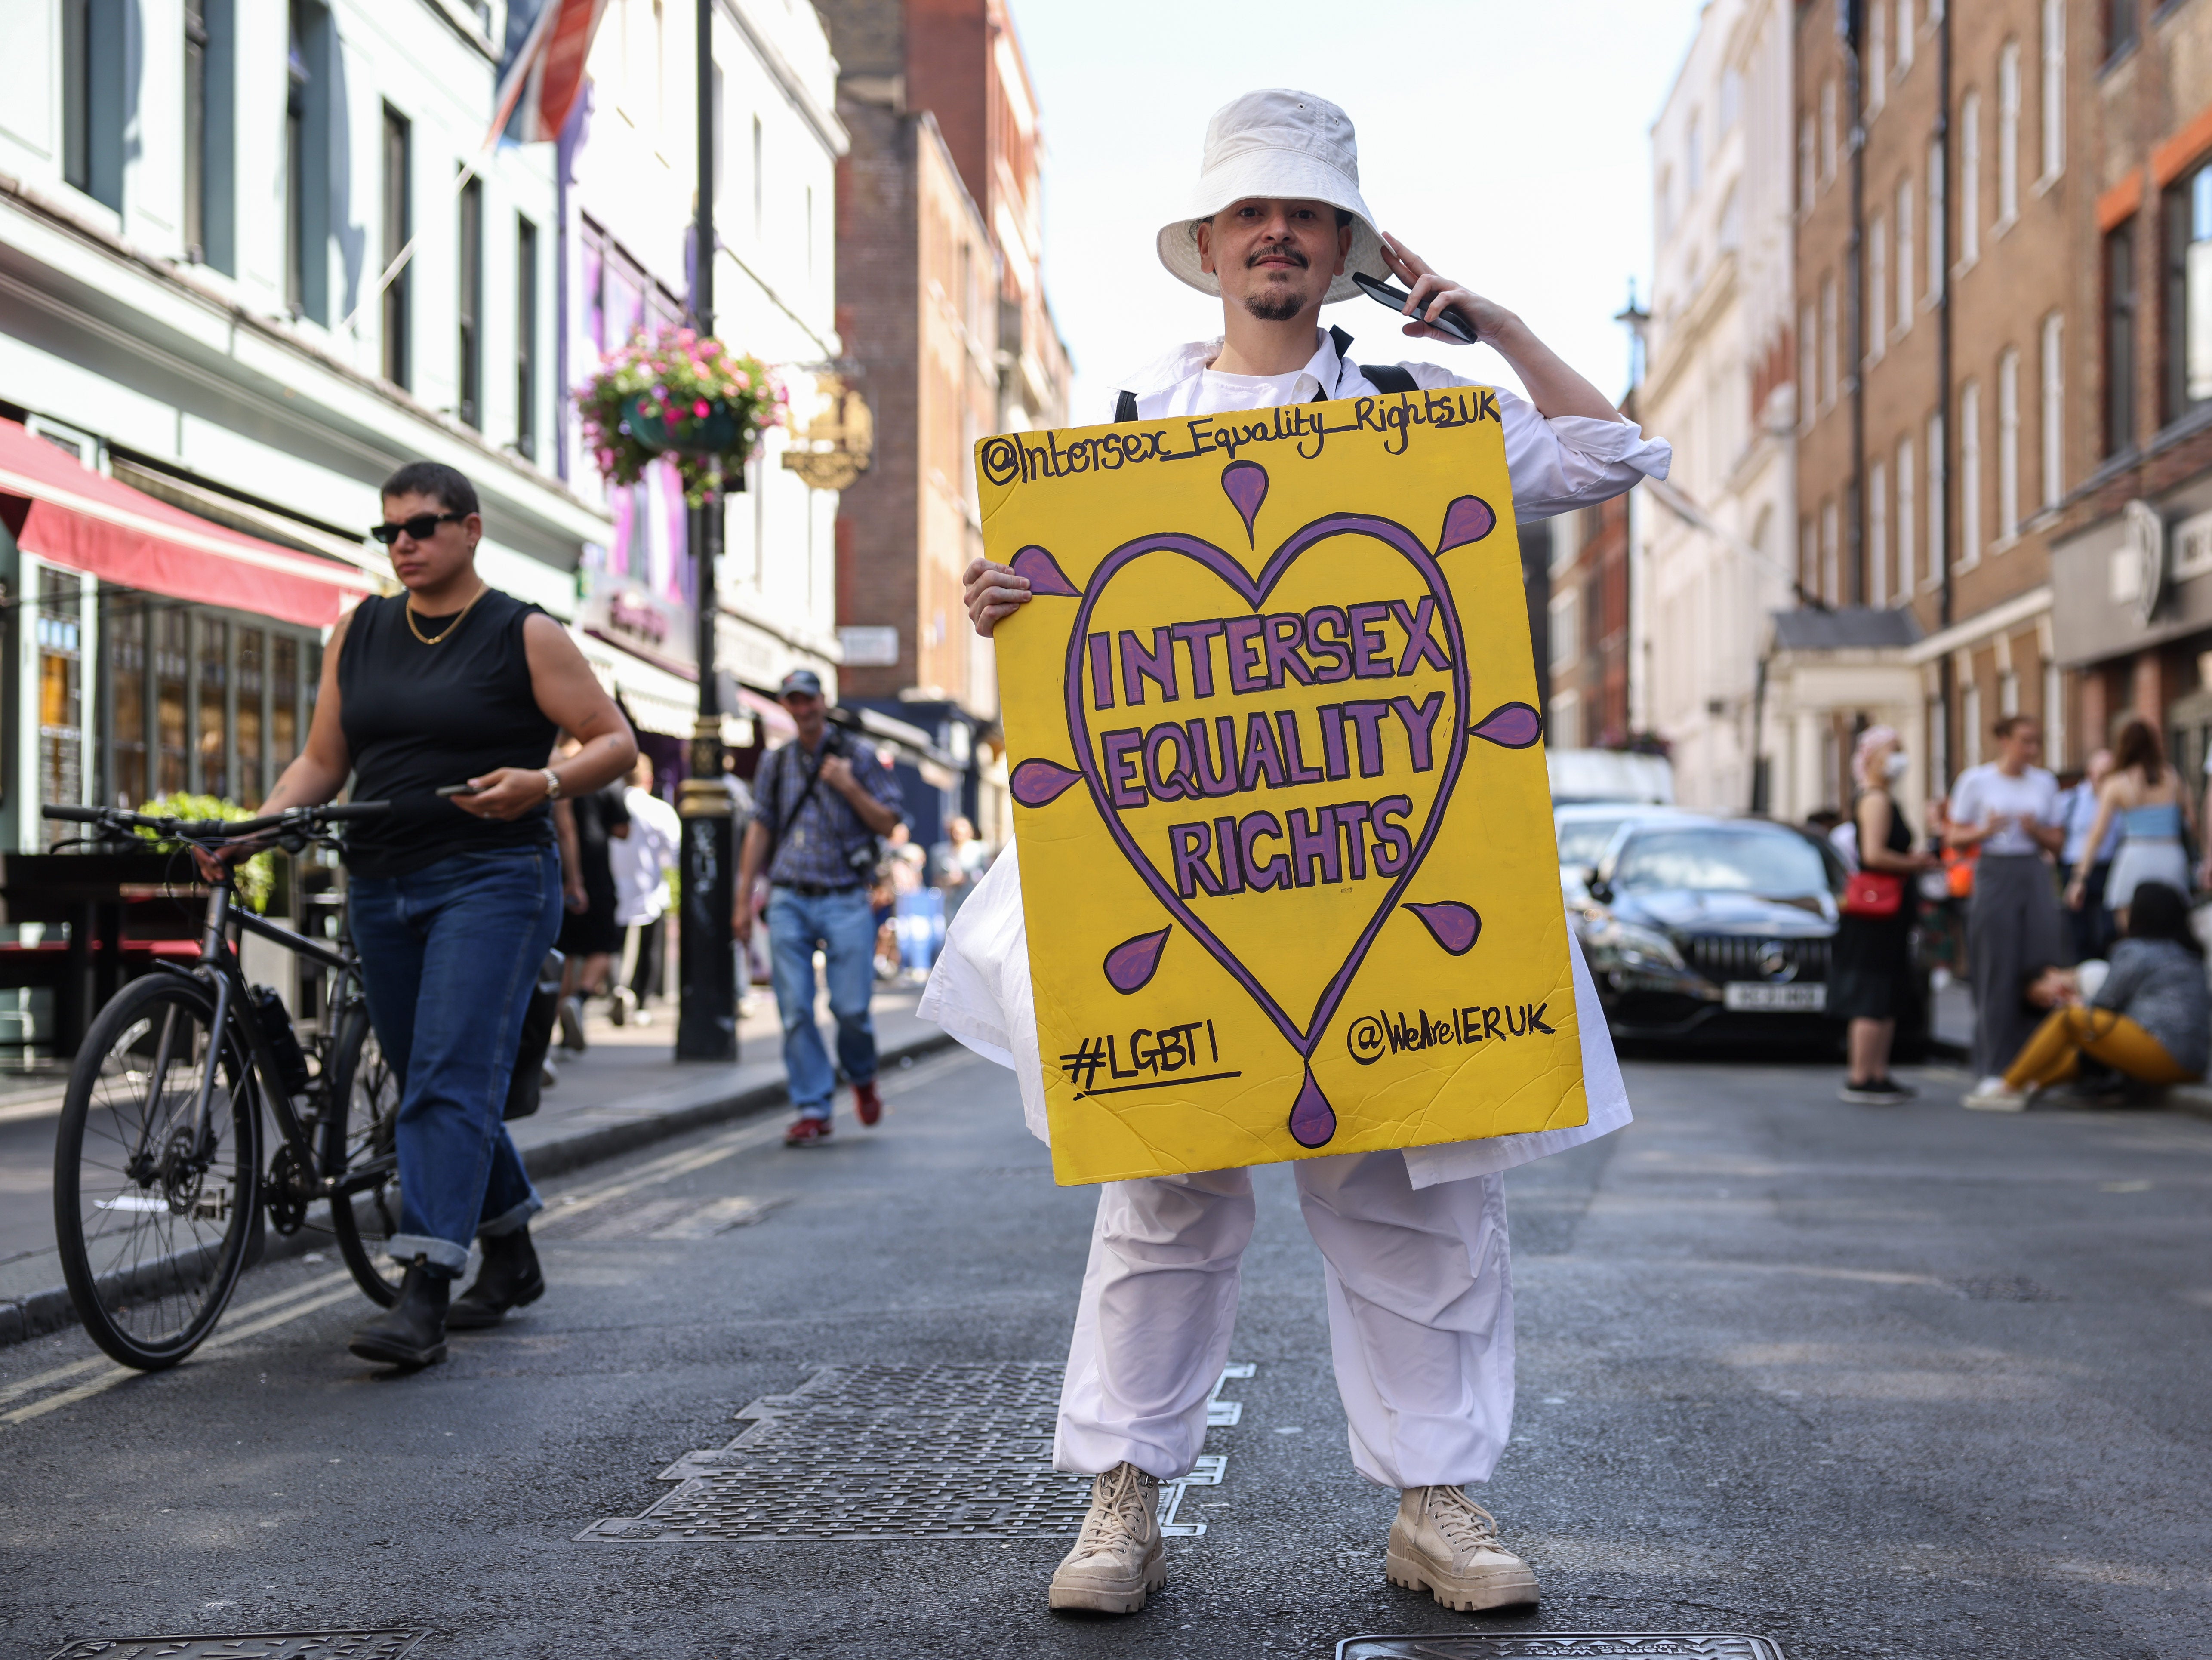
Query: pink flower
745, 381
709, 348
701, 409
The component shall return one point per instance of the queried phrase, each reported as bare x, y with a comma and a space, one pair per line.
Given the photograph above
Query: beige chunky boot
1446, 1544
1119, 1557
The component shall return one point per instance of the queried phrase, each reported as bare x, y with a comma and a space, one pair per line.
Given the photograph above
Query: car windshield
1581, 840
1716, 860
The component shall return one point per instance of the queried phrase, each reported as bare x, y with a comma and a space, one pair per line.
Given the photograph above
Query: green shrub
256, 877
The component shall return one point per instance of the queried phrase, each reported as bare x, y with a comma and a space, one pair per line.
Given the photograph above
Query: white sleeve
1558, 466
979, 991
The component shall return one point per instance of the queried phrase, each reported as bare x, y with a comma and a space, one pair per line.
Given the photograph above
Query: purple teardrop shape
1245, 483
1038, 783
1469, 518
1044, 573
1312, 1121
1131, 963
1456, 927
1511, 726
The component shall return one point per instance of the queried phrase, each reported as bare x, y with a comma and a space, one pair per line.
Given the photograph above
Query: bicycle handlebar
220, 830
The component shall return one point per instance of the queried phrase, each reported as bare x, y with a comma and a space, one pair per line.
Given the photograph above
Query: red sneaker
866, 1103
805, 1131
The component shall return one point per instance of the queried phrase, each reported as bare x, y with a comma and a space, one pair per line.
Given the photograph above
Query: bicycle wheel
153, 1217
359, 1118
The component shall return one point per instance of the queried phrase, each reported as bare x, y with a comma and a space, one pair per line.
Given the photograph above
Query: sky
1507, 142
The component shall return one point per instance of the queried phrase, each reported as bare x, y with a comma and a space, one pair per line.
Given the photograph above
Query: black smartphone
1448, 320
458, 789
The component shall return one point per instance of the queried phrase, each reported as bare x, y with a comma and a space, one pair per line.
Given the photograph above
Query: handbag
1873, 893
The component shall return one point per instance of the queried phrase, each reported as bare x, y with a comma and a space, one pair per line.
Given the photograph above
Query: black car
1714, 929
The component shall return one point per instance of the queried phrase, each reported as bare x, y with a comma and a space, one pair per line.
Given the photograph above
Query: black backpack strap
1125, 406
1389, 377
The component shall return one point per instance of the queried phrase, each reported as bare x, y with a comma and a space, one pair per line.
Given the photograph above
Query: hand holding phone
1447, 321
457, 789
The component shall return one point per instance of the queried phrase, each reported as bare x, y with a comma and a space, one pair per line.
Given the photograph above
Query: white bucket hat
1277, 145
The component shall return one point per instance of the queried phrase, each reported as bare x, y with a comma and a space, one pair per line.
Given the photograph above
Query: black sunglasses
421, 526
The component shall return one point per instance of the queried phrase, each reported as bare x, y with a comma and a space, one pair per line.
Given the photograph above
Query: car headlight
1618, 944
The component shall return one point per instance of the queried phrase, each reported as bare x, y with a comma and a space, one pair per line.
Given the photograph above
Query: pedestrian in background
455, 897
642, 861
961, 862
2145, 798
2150, 1020
588, 825
2007, 812
1871, 982
820, 803
2087, 918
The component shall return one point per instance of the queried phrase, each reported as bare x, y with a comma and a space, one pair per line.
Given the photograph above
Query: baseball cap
800, 680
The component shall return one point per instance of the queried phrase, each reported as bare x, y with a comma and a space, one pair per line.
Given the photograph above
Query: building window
1938, 174
2187, 211
1565, 631
2008, 133
397, 224
1905, 253
1907, 507
1939, 472
2007, 445
1877, 543
124, 628
61, 688
1970, 722
1970, 180
283, 704
2054, 409
93, 114
196, 129
1903, 53
760, 175
1831, 570
1827, 341
1828, 138
1694, 156
2054, 89
2120, 338
300, 219
2119, 26
525, 338
248, 729
1808, 558
1969, 474
211, 702
1731, 100
469, 304
1808, 381
1877, 56
1877, 287
1805, 177
173, 723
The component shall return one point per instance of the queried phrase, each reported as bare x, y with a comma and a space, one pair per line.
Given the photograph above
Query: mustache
1280, 251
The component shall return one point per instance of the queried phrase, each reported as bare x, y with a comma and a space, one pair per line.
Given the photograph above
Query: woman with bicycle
445, 700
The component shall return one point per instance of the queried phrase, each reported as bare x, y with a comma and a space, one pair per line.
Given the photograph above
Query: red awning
71, 516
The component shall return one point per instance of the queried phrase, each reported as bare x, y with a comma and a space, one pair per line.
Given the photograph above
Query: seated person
2150, 1019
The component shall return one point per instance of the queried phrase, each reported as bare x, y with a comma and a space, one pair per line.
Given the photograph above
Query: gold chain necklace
440, 638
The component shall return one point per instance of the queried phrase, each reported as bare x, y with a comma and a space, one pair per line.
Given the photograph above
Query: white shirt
642, 859
1983, 793
1556, 465
980, 990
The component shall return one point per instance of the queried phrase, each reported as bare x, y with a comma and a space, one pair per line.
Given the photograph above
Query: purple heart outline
1312, 1122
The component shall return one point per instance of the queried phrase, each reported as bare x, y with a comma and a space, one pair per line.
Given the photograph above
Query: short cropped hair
2011, 723
449, 485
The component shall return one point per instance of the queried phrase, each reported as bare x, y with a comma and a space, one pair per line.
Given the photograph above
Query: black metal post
707, 1018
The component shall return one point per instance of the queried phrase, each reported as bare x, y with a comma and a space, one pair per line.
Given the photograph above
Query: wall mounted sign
1287, 858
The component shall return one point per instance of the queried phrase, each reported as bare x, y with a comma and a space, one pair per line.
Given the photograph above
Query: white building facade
1711, 549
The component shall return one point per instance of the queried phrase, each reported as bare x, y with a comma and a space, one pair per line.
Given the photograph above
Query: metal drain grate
251, 1645
875, 1452
1555, 1646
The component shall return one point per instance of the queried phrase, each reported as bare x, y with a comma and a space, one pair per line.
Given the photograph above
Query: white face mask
1897, 766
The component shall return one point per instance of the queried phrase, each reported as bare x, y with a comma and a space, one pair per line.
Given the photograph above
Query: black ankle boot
411, 1332
509, 1278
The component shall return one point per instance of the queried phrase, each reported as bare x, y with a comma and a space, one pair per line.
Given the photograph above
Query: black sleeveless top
416, 717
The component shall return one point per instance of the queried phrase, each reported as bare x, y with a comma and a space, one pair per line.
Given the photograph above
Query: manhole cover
1529, 1645
251, 1645
873, 1452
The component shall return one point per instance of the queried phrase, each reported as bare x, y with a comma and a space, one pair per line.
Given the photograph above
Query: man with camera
820, 804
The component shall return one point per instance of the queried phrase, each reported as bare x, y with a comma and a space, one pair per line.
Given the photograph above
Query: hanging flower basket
691, 400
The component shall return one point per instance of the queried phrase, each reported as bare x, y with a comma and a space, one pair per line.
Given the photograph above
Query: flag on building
545, 75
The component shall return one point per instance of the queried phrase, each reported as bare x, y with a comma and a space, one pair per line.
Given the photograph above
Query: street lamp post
707, 1018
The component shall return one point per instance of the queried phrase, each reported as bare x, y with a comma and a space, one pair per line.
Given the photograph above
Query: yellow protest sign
1286, 850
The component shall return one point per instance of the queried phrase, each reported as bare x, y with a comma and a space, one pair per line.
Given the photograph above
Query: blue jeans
844, 926
448, 955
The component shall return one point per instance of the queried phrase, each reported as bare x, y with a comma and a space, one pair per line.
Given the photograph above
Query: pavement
624, 1091
1865, 1381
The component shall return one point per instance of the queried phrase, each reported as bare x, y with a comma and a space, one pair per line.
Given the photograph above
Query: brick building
2131, 561
1944, 306
1587, 639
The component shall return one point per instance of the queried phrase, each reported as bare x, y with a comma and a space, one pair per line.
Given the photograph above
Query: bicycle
160, 1195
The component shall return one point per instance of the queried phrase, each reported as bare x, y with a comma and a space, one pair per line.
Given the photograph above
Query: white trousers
1421, 1318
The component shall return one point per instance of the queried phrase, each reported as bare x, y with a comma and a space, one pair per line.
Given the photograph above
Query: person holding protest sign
1420, 1305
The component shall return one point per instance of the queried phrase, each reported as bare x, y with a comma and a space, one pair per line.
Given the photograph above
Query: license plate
1744, 994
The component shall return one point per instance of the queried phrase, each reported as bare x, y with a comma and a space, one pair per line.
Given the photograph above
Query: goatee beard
1277, 307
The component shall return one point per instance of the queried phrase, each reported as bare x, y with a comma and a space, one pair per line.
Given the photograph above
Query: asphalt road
1869, 1382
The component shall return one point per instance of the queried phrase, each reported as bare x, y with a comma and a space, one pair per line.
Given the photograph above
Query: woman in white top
2007, 809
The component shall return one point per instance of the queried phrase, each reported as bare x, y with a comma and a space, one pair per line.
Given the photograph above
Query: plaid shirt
813, 851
